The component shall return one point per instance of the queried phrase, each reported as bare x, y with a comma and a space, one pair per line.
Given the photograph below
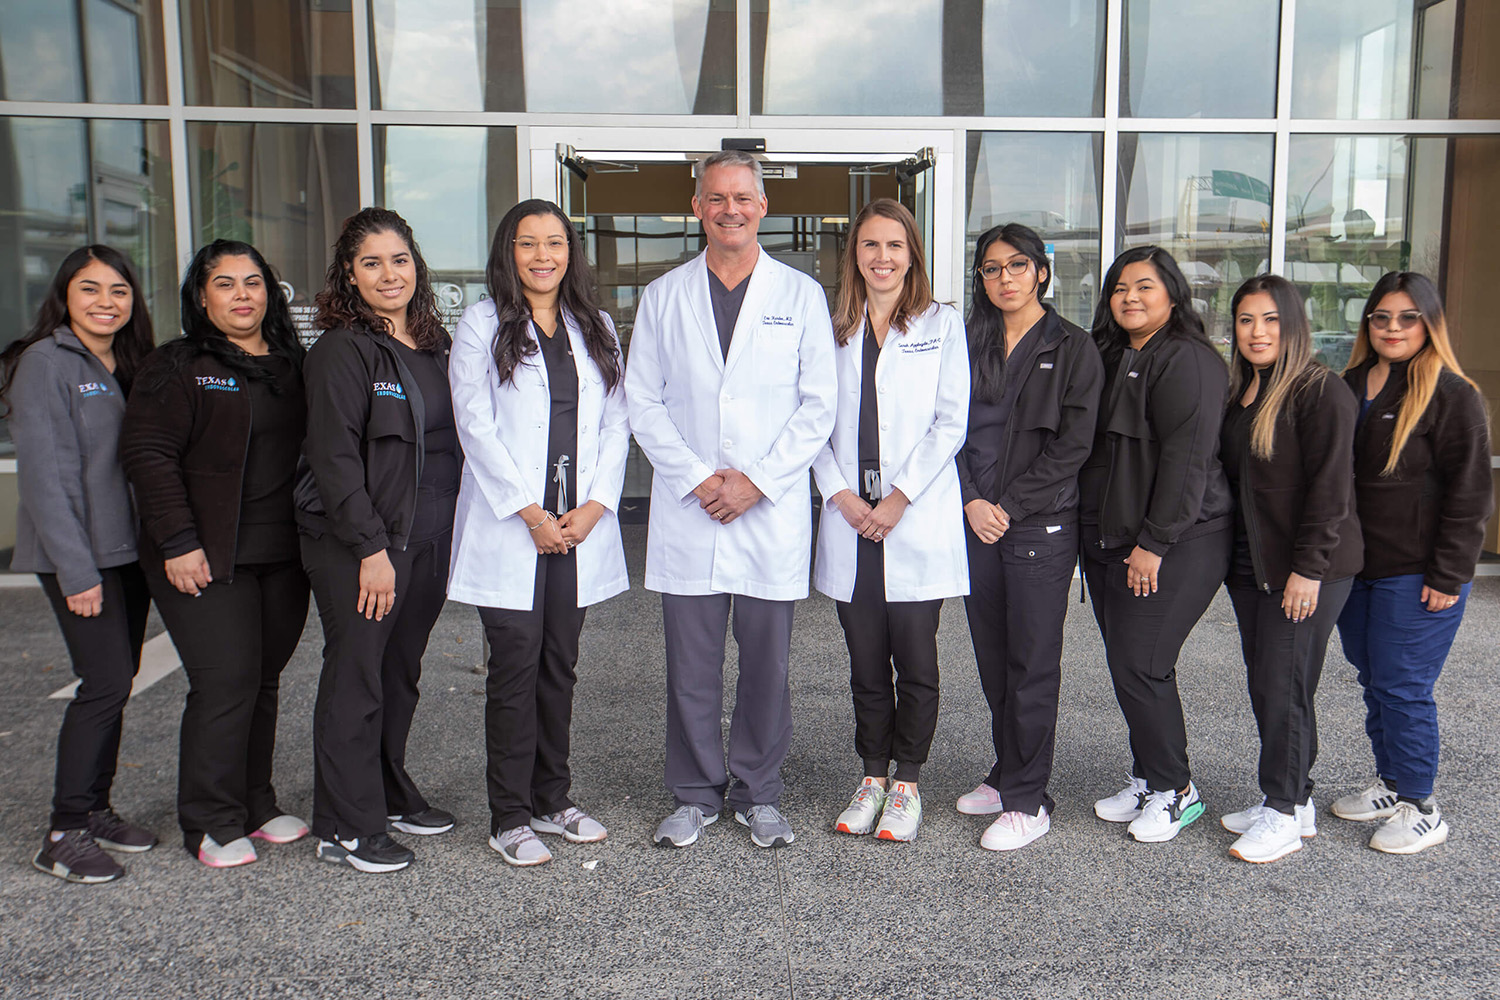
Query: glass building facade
1326, 140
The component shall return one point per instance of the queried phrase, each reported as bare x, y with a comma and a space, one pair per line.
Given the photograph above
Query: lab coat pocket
775, 353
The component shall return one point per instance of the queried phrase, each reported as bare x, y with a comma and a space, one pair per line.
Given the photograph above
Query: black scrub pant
1283, 661
1143, 637
234, 640
1018, 598
528, 706
106, 653
891, 721
367, 693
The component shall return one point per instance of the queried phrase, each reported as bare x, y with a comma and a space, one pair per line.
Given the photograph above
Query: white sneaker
1126, 804
1376, 802
283, 829
1271, 837
572, 824
231, 855
902, 814
519, 847
1013, 830
1165, 814
1409, 830
1241, 822
982, 801
864, 808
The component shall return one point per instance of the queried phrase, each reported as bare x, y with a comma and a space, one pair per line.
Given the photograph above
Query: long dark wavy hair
339, 303
1184, 321
132, 342
986, 324
575, 295
200, 336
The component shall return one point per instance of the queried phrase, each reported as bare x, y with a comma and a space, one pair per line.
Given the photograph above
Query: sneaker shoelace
868, 795
901, 802
80, 844
567, 817
1266, 822
517, 837
109, 824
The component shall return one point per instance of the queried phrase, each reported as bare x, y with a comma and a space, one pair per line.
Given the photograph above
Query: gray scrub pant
760, 730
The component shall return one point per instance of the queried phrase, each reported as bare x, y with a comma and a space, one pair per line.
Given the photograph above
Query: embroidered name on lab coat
920, 346
769, 320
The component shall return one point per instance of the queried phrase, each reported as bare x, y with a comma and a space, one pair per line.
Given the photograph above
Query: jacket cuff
76, 582
1443, 584
180, 544
1153, 546
1013, 507
372, 546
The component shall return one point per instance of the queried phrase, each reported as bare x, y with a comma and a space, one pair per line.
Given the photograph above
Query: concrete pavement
1084, 912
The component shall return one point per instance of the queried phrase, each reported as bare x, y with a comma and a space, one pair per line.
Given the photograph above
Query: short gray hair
731, 158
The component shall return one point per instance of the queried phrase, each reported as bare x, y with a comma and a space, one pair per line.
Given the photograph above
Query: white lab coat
503, 429
922, 398
765, 410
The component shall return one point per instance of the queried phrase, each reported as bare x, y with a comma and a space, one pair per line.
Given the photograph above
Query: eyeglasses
1395, 321
554, 245
1015, 267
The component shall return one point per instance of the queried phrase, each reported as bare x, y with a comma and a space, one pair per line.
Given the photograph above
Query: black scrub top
278, 422
442, 458
1234, 445
561, 493
869, 422
985, 446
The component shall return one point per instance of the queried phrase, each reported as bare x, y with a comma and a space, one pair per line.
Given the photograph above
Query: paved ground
1082, 913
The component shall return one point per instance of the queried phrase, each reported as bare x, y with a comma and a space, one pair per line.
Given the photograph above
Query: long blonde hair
1294, 368
1425, 366
916, 290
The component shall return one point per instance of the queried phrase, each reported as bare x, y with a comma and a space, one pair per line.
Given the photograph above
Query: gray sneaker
682, 828
768, 828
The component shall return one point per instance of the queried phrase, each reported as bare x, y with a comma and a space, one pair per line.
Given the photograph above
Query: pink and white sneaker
281, 829
1014, 830
982, 801
231, 855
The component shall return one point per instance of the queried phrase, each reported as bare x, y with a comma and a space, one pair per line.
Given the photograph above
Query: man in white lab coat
732, 391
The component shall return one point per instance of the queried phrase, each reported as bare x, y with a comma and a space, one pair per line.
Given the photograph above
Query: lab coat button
728, 443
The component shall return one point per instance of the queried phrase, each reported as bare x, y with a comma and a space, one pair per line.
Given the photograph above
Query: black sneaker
377, 853
109, 830
76, 858
424, 824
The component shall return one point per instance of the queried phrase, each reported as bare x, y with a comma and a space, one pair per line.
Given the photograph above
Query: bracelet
550, 517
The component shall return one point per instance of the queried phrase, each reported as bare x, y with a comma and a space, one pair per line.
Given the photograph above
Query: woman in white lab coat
539, 398
891, 540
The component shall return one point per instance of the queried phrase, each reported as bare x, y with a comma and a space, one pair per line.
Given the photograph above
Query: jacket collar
65, 337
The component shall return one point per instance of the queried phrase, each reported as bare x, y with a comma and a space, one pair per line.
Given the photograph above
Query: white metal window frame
836, 133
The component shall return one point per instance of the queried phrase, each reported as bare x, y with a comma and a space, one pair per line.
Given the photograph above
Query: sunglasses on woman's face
1383, 320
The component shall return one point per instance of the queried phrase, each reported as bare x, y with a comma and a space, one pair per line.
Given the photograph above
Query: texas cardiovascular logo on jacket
213, 382
392, 389
87, 389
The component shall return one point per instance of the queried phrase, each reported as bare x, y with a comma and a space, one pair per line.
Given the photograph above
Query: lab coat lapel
703, 307
747, 324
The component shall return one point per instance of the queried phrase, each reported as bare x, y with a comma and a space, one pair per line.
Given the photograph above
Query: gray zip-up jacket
75, 516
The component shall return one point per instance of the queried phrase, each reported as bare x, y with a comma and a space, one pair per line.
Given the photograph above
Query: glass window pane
287, 189
452, 185
1394, 59
625, 56
269, 54
842, 57
113, 56
1200, 58
65, 182
1050, 182
1037, 59
1206, 199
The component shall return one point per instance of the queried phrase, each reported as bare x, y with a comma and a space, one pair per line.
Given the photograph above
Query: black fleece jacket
1298, 505
1428, 516
186, 436
1154, 477
364, 450
1033, 473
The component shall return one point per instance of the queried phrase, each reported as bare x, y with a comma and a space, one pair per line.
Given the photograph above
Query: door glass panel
111, 54
1206, 199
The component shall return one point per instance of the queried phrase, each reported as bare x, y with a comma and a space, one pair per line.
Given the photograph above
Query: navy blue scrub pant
1398, 648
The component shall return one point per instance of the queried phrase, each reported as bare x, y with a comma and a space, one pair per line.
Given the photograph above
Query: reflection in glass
453, 185
1390, 59
1038, 59
269, 54
112, 55
1206, 199
1050, 182
1200, 58
1357, 207
624, 56
70, 181
847, 57
285, 188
